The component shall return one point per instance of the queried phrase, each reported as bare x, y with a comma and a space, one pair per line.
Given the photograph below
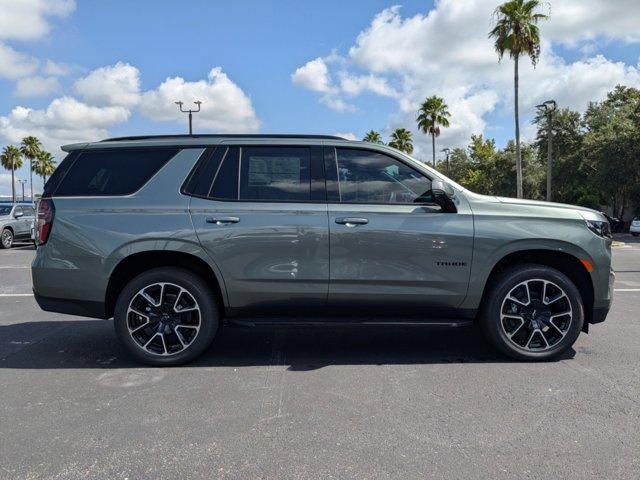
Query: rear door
392, 252
260, 212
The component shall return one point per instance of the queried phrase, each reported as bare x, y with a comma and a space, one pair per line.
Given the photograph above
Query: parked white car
635, 226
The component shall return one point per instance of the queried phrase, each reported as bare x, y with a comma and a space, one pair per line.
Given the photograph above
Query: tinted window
225, 185
5, 210
275, 174
371, 177
200, 179
58, 174
112, 172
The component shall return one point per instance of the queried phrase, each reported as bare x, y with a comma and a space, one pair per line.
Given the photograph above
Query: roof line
159, 137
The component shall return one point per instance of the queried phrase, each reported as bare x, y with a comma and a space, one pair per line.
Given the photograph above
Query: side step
346, 322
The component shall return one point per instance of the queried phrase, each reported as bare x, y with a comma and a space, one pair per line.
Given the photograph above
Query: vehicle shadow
93, 344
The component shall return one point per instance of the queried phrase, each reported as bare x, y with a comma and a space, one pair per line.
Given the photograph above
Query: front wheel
533, 312
166, 316
6, 238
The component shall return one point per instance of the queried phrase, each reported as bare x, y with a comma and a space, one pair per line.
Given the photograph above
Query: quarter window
372, 177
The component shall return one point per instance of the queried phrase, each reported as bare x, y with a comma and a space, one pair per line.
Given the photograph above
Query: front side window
371, 177
5, 210
275, 174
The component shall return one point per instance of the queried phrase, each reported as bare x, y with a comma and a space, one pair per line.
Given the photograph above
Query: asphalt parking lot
310, 403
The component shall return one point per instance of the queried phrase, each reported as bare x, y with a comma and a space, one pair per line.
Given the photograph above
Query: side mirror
443, 195
18, 215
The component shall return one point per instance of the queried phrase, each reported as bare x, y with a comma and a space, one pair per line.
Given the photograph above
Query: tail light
46, 214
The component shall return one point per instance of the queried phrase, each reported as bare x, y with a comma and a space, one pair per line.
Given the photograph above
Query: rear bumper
81, 308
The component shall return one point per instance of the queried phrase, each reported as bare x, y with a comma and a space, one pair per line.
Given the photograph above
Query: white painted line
14, 267
626, 289
16, 294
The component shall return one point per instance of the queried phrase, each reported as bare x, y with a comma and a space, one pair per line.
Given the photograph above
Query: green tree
401, 139
433, 114
373, 137
516, 31
44, 165
11, 159
611, 147
30, 148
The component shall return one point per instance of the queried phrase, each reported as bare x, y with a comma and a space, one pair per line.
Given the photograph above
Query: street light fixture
547, 108
190, 112
447, 151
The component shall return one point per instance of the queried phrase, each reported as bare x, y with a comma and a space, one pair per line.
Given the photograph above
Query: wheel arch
139, 262
564, 262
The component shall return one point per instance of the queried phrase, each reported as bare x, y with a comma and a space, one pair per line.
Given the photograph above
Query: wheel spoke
556, 327
151, 301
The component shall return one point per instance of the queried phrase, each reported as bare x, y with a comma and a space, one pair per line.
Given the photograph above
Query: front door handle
223, 220
352, 221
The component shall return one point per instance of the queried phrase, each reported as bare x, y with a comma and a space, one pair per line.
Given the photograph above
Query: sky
75, 71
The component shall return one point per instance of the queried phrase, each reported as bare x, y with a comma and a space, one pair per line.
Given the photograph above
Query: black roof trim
161, 137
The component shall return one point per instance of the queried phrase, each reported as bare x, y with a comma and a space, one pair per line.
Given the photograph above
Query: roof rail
160, 137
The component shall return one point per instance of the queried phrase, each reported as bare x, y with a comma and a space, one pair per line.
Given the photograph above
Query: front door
263, 221
393, 252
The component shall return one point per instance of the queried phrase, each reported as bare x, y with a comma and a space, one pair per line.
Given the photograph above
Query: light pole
190, 112
22, 182
547, 108
447, 151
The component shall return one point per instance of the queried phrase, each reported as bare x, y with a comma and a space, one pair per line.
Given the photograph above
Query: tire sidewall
197, 287
491, 321
4, 231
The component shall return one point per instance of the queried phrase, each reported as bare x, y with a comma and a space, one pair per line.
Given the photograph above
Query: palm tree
11, 159
401, 139
30, 147
373, 137
516, 31
433, 114
44, 165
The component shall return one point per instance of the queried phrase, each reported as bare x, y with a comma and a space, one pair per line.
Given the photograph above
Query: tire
6, 238
181, 320
546, 330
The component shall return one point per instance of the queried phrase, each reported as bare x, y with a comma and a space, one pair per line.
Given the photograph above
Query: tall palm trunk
13, 181
31, 177
518, 153
433, 145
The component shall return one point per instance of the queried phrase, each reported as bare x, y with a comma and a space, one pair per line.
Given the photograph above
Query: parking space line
626, 289
14, 267
16, 294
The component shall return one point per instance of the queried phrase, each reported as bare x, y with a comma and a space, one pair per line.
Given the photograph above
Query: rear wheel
6, 238
166, 316
533, 312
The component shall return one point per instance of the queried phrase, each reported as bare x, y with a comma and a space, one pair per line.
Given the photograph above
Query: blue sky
76, 71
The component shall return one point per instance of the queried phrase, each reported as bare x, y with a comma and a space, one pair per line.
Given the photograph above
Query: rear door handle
352, 221
223, 220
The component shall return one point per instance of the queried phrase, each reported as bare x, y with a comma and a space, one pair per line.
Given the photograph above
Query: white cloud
346, 135
14, 64
313, 75
36, 86
65, 120
225, 107
446, 51
117, 84
55, 69
29, 19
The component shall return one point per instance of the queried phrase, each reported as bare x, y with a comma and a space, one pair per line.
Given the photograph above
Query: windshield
4, 210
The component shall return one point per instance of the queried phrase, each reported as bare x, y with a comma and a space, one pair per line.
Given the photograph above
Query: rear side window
112, 172
275, 174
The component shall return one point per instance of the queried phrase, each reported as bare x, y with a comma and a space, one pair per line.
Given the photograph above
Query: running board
349, 322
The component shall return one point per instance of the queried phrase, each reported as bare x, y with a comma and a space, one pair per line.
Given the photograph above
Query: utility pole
447, 151
22, 182
547, 108
190, 112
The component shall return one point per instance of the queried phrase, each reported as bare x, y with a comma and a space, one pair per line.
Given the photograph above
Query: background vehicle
634, 228
266, 229
16, 222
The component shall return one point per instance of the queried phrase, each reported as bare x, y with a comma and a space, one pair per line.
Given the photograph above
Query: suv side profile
172, 235
16, 222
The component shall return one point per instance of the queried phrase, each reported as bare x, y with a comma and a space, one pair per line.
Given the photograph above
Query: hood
586, 213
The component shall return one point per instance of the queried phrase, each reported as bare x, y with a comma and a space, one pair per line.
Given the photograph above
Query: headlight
602, 229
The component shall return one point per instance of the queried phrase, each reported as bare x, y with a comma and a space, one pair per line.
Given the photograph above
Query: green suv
172, 235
